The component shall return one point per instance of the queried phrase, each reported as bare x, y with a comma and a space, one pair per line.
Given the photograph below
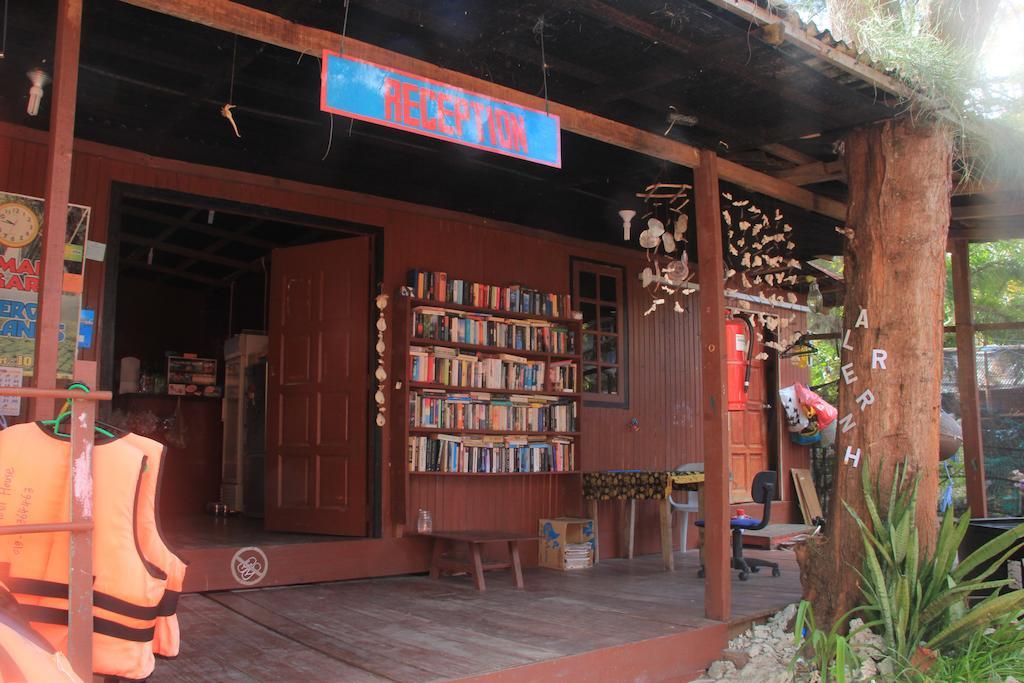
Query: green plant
985, 656
922, 601
832, 654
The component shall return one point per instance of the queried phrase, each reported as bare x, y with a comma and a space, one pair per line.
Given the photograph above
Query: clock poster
21, 247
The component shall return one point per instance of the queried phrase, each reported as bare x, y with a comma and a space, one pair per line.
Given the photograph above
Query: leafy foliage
832, 655
921, 601
997, 288
986, 656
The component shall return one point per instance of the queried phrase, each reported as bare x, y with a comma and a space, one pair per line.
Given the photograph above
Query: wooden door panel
335, 357
293, 411
294, 482
318, 387
748, 442
333, 417
333, 478
296, 353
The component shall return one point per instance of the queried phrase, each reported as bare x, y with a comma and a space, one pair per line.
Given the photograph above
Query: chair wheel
755, 569
776, 572
743, 576
700, 573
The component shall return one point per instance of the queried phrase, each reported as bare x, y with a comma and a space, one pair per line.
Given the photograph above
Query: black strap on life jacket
59, 617
54, 589
168, 605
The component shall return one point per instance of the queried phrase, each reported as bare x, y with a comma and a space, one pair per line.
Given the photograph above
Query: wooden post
58, 187
83, 419
967, 381
718, 578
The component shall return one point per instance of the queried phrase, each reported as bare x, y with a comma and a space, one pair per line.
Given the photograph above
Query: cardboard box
558, 533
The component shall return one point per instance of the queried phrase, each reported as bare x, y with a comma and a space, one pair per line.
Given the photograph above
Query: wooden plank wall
662, 355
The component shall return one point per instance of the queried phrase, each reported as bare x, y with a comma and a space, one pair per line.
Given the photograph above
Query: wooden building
201, 227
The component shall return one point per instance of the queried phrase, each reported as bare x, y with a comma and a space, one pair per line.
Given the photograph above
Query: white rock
721, 669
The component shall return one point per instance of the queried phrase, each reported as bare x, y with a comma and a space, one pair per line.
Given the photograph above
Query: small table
476, 566
630, 485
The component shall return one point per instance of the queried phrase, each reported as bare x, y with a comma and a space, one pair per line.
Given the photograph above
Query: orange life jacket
167, 637
25, 656
127, 589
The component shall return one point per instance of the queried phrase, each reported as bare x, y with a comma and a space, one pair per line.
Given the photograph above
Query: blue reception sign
369, 92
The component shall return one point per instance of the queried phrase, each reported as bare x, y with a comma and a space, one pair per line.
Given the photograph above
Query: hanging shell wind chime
664, 240
380, 373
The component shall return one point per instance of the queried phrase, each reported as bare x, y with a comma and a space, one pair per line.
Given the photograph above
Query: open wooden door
317, 384
748, 432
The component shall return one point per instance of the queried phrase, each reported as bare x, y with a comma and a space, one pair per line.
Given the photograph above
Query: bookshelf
486, 393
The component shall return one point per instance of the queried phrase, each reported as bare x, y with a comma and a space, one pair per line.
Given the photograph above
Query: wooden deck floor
415, 629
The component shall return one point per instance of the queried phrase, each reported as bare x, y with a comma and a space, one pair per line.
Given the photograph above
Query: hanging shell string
380, 373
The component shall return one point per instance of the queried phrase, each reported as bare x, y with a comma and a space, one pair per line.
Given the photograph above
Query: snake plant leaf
954, 595
979, 617
987, 551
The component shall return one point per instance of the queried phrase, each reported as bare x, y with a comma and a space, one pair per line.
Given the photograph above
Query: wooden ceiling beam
194, 254
814, 172
992, 210
163, 270
223, 242
239, 19
197, 227
788, 153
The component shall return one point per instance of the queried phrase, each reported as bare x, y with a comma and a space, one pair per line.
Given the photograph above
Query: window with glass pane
598, 294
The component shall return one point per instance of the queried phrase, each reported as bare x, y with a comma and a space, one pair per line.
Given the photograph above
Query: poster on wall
21, 239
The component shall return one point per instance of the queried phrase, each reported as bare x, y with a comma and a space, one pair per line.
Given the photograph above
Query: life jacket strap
53, 589
59, 617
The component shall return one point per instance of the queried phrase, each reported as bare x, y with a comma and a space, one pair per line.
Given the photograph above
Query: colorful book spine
447, 453
437, 286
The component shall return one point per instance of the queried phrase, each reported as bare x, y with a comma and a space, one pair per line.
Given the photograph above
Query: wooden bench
475, 565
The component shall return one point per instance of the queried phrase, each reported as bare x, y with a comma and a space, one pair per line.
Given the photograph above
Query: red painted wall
663, 366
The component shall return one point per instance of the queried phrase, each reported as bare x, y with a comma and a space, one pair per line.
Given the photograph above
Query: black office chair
762, 490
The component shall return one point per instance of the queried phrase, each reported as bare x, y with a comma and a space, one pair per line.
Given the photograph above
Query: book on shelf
485, 330
494, 455
442, 409
445, 365
437, 286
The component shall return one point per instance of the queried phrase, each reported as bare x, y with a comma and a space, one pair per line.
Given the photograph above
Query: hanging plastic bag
823, 410
796, 417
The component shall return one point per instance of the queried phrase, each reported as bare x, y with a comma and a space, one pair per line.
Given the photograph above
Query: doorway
252, 333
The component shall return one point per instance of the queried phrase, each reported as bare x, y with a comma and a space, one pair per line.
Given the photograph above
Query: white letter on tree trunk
862, 319
878, 357
850, 455
846, 341
848, 375
847, 422
865, 399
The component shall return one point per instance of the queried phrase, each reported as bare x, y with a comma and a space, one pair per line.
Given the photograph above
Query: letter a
865, 399
850, 455
878, 357
847, 422
862, 319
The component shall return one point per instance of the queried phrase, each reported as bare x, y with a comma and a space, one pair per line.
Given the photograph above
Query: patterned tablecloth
636, 484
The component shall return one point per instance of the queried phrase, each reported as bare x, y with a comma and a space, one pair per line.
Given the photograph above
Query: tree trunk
900, 182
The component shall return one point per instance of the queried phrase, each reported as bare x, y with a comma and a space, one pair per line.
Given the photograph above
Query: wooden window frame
618, 273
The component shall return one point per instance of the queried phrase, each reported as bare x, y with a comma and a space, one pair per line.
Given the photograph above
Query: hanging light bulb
39, 79
627, 216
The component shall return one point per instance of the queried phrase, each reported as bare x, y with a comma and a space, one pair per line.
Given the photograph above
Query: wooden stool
476, 566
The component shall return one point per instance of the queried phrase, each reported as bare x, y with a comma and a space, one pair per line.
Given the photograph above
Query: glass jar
424, 524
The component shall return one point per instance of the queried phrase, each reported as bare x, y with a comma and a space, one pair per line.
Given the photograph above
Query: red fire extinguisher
739, 349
